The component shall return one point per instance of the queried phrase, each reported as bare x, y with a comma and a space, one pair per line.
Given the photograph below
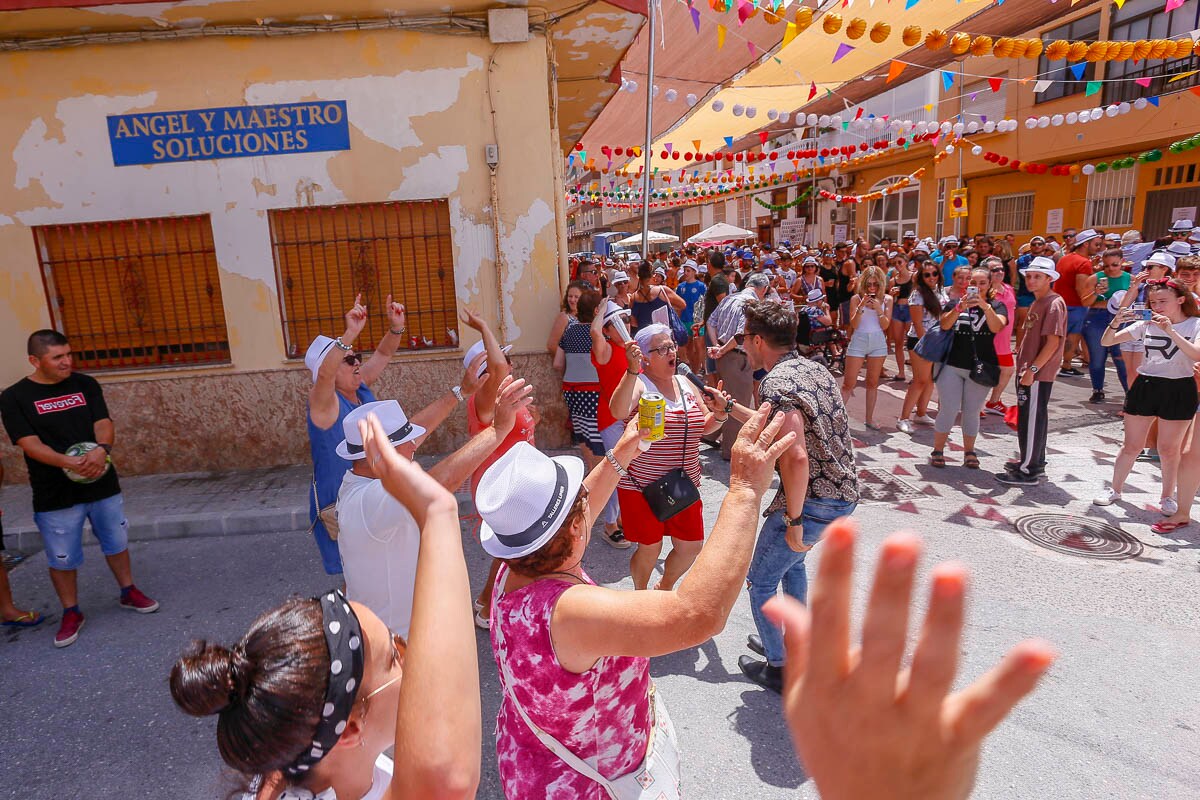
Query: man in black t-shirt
45, 414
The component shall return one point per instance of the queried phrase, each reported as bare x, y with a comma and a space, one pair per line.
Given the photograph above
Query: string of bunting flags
1066, 169
800, 198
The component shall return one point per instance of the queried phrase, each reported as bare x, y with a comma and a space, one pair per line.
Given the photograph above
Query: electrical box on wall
491, 154
508, 25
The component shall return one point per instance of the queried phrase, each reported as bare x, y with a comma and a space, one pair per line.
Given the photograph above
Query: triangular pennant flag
1077, 70
846, 125
1120, 3
570, 159
1172, 5
753, 49
583, 156
1194, 90
910, 3
929, 106
894, 70
696, 145
812, 92
744, 9
947, 79
729, 141
1153, 101
1183, 75
1093, 87
762, 137
1143, 82
842, 50
1195, 35
720, 36
695, 18
1041, 86
668, 147
859, 114
995, 83
789, 33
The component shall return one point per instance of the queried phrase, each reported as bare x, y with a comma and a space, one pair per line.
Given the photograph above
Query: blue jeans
62, 530
1093, 329
774, 563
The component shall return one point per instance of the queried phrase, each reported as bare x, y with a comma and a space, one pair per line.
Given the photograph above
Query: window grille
326, 255
1110, 197
743, 212
138, 293
1010, 213
719, 212
1144, 19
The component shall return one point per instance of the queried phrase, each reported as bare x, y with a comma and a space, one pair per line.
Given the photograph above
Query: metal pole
961, 118
648, 150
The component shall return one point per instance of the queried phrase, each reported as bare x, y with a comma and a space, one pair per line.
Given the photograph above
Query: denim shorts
1076, 315
62, 530
867, 345
900, 313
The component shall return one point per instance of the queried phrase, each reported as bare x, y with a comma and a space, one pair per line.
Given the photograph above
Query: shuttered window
135, 293
326, 255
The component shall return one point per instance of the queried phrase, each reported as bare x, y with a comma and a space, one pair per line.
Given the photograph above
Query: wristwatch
457, 392
107, 447
794, 522
1033, 368
729, 407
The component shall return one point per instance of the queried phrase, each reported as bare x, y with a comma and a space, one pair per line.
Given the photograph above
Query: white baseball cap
524, 498
391, 416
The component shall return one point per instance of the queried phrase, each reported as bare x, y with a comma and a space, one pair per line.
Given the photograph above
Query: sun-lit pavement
1117, 716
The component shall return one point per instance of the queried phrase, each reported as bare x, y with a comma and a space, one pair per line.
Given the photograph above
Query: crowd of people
737, 344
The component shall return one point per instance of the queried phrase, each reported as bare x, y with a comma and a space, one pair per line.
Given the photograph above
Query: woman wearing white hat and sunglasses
579, 717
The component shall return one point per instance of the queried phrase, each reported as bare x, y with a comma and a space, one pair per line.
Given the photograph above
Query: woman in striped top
651, 368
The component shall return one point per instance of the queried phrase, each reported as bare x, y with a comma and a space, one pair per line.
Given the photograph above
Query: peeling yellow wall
419, 120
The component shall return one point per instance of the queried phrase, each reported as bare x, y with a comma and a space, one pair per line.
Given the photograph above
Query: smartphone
972, 291
1140, 312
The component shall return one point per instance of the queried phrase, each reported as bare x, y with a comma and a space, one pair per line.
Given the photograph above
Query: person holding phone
870, 316
1164, 389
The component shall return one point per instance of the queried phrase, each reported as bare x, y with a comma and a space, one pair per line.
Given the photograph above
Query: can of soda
652, 413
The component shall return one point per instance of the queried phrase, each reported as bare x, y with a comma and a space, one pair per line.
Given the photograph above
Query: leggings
957, 392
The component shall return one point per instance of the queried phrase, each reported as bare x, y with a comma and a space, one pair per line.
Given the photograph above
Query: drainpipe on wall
556, 166
501, 266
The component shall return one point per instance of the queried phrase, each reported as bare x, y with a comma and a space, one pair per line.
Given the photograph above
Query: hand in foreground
627, 447
752, 462
470, 382
633, 356
514, 394
1027, 377
1163, 322
93, 463
403, 479
356, 318
911, 737
397, 315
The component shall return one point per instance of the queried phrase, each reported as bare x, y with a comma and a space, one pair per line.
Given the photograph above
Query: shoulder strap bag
327, 515
674, 492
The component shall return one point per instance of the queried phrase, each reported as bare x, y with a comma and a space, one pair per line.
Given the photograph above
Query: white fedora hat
316, 354
391, 417
1041, 265
1085, 236
1162, 258
475, 350
524, 498
1182, 226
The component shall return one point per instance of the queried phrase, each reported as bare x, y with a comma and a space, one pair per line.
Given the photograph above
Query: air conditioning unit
842, 181
840, 214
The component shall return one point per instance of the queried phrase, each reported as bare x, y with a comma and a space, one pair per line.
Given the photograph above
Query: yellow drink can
652, 414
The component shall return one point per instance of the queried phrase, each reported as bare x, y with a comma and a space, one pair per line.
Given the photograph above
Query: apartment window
743, 212
325, 256
1065, 84
1010, 213
1144, 19
893, 214
135, 293
1110, 198
981, 104
718, 211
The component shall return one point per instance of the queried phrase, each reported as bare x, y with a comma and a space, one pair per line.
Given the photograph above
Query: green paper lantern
1102, 166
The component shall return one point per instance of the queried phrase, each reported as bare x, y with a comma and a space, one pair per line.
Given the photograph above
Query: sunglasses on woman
352, 360
930, 274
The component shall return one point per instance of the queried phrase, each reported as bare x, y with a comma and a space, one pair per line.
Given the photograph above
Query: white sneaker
904, 426
1108, 497
482, 622
923, 419
1168, 506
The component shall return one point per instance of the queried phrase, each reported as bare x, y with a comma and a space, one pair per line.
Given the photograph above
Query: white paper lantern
976, 150
1072, 118
1111, 111
1056, 120
972, 127
811, 119
1097, 113
837, 198
1031, 123
1043, 122
784, 117
989, 127
949, 148
959, 128
691, 100
751, 112
1140, 103
718, 106
671, 95
1088, 169
1085, 117
1124, 108
836, 119
823, 120
946, 128
738, 109
772, 114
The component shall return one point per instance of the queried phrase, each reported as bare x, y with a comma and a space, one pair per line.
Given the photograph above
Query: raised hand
514, 395
471, 318
471, 383
633, 356
716, 398
912, 738
356, 319
397, 316
403, 479
752, 462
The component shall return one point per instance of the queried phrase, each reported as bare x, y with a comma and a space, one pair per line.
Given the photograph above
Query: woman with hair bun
315, 692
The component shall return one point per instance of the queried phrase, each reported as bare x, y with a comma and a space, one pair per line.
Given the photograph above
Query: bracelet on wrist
395, 332
342, 345
631, 372
616, 465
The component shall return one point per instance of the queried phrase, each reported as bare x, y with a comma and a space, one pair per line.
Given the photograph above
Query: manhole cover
883, 486
1078, 536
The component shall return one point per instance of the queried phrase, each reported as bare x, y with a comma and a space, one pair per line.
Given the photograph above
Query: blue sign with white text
162, 137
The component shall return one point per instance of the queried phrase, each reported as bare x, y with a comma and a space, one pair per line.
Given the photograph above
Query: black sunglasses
999, 270
930, 274
352, 360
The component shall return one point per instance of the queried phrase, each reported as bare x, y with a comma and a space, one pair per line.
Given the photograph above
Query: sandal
970, 460
29, 619
1163, 527
937, 458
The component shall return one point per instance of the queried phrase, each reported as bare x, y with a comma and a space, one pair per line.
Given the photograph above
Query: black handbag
983, 372
674, 492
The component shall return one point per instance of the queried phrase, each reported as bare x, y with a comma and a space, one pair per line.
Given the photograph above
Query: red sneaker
998, 408
137, 601
68, 630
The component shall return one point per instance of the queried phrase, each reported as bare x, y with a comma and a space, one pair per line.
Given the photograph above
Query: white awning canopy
654, 236
720, 233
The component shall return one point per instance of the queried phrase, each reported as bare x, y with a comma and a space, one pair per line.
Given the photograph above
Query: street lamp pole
648, 151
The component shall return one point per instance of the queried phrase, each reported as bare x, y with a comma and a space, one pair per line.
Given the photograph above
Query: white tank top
868, 320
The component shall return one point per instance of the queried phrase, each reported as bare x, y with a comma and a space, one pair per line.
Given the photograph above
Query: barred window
719, 212
1110, 197
326, 255
1010, 213
138, 293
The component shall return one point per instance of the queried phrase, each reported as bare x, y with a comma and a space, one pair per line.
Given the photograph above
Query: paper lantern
803, 18
1127, 49
1159, 48
1056, 120
1057, 50
981, 46
831, 23
718, 106
1077, 51
960, 43
1003, 47
976, 150
1019, 47
692, 100
770, 17
671, 95
1183, 48
880, 31
1033, 48
936, 39
856, 28
1141, 50
784, 117
1072, 118
751, 112
1096, 51
1088, 169
912, 35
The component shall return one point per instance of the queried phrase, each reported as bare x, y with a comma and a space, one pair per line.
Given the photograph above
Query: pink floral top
602, 715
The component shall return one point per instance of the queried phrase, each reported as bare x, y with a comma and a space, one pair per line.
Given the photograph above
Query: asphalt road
1117, 717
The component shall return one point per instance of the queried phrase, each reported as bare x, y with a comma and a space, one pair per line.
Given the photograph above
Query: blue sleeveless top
328, 471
